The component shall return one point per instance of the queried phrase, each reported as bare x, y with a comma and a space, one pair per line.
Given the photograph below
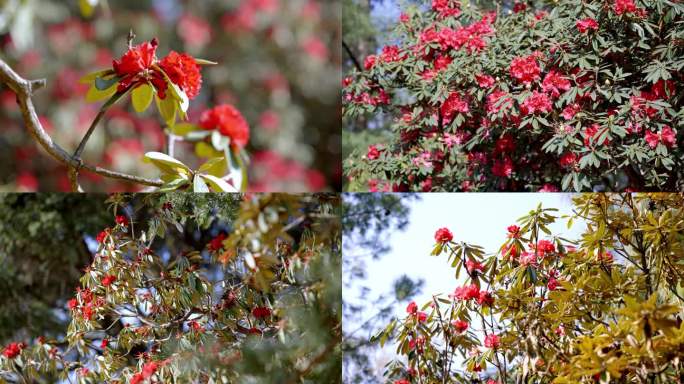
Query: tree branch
352, 56
24, 90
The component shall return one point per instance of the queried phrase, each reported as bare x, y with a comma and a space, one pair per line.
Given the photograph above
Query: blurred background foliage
276, 65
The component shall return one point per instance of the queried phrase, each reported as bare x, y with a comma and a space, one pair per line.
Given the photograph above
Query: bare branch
24, 90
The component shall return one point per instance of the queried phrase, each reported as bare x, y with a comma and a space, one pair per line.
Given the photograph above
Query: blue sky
476, 218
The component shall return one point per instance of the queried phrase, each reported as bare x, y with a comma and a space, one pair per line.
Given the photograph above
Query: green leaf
94, 95
167, 109
236, 170
218, 184
90, 78
216, 166
142, 97
219, 141
183, 129
199, 186
87, 7
205, 150
102, 83
205, 62
167, 164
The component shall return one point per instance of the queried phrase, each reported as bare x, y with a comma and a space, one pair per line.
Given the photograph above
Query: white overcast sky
476, 218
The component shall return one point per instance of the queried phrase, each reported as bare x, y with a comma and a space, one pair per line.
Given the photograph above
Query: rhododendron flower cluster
443, 235
139, 65
585, 25
525, 69
13, 350
227, 120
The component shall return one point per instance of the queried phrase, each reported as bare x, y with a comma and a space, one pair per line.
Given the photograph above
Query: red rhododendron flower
108, 280
544, 246
446, 8
216, 243
13, 350
460, 325
373, 153
261, 312
467, 292
570, 111
525, 69
624, 6
586, 24
369, 62
519, 7
554, 84
485, 298
536, 102
513, 231
421, 316
491, 341
104, 343
568, 160
412, 308
553, 284
149, 369
72, 304
472, 266
390, 54
402, 381
101, 236
666, 136
454, 104
135, 68
122, 220
443, 235
484, 81
229, 122
503, 168
137, 59
183, 71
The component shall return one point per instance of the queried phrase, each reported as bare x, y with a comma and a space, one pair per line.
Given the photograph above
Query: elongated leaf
205, 62
167, 109
142, 97
166, 163
199, 186
89, 78
218, 184
102, 83
183, 129
94, 95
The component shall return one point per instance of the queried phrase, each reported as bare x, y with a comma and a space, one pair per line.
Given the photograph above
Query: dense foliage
604, 308
259, 300
274, 66
571, 95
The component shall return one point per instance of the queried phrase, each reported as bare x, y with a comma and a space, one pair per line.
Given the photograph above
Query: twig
352, 56
24, 90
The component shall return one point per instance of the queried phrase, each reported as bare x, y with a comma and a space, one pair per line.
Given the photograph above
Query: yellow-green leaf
142, 97
87, 7
95, 95
167, 164
204, 62
206, 151
89, 78
167, 109
183, 129
217, 184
